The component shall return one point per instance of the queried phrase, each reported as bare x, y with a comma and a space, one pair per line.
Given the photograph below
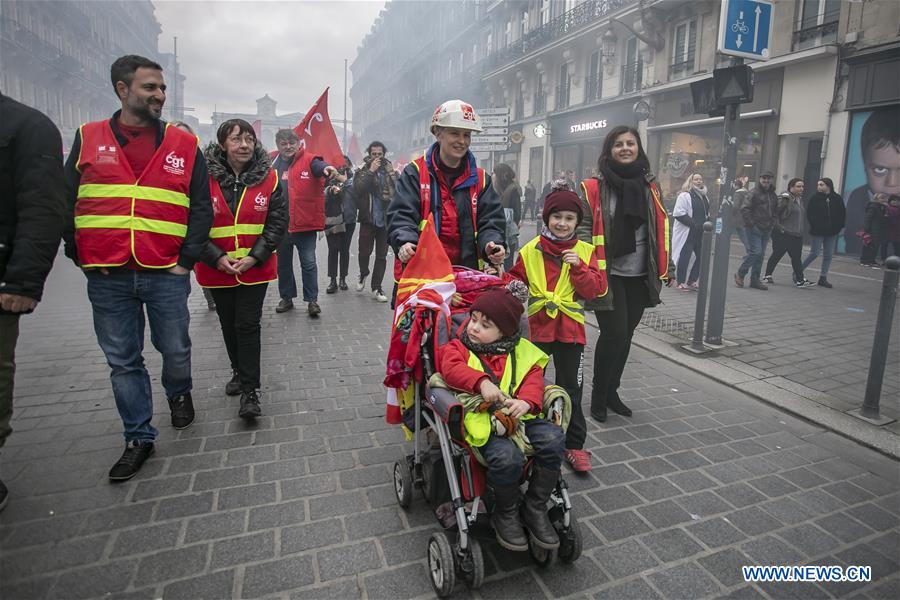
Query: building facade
55, 55
570, 70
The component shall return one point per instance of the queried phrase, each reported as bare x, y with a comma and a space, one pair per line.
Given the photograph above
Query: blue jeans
305, 241
118, 301
505, 461
816, 247
756, 249
742, 235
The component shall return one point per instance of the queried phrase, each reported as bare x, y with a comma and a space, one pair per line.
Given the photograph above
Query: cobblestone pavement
702, 480
815, 337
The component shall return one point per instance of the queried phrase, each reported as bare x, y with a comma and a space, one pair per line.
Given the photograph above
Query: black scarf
504, 345
629, 183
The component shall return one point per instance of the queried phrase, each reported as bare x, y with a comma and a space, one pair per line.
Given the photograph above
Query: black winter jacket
826, 214
404, 213
200, 217
367, 191
759, 208
875, 222
32, 198
232, 188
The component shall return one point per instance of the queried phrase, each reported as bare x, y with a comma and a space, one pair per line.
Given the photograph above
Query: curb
772, 389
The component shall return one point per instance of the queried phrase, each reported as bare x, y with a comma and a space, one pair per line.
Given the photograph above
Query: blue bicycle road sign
745, 27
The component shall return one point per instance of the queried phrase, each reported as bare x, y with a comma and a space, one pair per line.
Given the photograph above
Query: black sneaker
343, 285
182, 408
825, 283
4, 495
134, 456
284, 305
313, 309
249, 405
233, 387
768, 279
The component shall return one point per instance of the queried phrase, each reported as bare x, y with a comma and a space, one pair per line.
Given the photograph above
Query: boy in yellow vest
490, 358
561, 272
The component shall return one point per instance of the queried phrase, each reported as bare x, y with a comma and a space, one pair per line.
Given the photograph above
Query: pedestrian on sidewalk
373, 189
207, 294
530, 200
739, 198
447, 183
875, 228
625, 220
892, 245
238, 261
787, 233
758, 219
510, 198
825, 213
32, 217
340, 222
302, 177
139, 215
561, 272
690, 213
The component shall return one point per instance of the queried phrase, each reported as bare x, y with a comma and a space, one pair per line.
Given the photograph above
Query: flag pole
345, 105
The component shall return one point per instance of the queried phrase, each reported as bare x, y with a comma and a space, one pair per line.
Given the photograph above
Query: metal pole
719, 284
697, 340
870, 407
175, 108
345, 106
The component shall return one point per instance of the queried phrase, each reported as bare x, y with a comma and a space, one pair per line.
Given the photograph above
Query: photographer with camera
373, 187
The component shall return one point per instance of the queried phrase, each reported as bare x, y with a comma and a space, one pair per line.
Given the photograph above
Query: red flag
353, 151
317, 135
257, 128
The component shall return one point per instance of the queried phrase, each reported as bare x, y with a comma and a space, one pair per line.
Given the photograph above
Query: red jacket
454, 368
306, 195
587, 281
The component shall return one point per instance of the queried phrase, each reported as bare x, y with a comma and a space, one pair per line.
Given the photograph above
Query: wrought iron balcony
562, 96
594, 89
808, 37
681, 69
631, 77
563, 25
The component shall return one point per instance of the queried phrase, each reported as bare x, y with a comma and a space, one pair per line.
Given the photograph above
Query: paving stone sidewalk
702, 480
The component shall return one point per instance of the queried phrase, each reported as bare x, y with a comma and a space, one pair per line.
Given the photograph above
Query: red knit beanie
562, 200
502, 308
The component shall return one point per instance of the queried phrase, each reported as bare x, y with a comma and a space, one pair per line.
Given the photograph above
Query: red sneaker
579, 459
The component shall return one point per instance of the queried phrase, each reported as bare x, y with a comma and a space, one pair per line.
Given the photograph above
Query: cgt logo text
579, 127
174, 164
259, 203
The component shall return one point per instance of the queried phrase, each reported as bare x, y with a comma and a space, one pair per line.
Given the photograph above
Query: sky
233, 52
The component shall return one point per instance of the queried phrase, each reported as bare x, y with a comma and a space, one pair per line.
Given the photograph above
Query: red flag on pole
257, 128
353, 151
317, 135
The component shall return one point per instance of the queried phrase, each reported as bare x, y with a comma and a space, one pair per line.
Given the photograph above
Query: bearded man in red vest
139, 215
302, 179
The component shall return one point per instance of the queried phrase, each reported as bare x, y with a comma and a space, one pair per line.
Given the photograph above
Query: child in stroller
497, 405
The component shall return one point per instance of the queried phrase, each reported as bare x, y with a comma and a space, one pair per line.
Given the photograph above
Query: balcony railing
825, 33
631, 77
681, 69
562, 97
563, 25
594, 89
540, 103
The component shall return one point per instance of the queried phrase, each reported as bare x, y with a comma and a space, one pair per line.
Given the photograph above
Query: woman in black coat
826, 215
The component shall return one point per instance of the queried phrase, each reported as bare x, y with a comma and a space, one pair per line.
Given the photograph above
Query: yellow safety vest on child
562, 297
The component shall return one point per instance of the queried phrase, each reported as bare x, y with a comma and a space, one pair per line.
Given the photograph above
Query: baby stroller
444, 467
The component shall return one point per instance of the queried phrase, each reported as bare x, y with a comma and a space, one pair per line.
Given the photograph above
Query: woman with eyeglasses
248, 224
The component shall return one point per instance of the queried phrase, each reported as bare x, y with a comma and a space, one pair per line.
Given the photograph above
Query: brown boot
738, 280
757, 284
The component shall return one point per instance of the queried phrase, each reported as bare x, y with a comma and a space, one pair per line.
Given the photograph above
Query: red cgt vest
236, 233
591, 189
425, 202
306, 194
120, 216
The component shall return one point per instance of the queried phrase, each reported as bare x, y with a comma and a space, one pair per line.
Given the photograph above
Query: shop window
594, 79
684, 43
632, 70
817, 23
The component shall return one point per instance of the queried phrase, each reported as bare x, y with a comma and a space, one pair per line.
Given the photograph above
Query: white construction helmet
456, 113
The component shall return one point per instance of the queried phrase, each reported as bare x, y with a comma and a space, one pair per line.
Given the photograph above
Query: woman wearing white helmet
447, 183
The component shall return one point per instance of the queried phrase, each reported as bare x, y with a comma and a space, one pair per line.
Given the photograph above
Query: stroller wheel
402, 483
441, 565
543, 557
472, 566
570, 542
